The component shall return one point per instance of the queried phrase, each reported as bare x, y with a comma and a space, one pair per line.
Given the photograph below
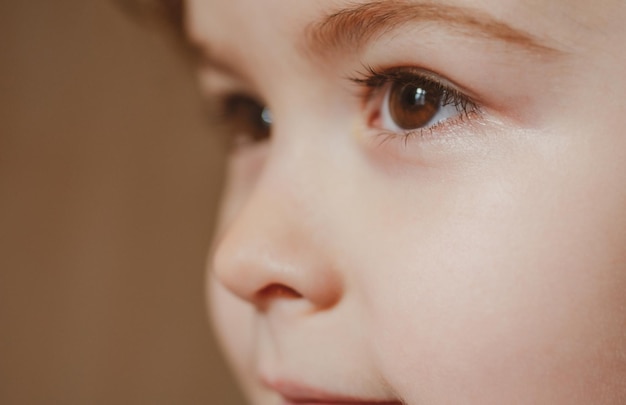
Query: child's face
449, 228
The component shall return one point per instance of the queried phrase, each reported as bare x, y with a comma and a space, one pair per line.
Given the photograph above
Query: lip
299, 394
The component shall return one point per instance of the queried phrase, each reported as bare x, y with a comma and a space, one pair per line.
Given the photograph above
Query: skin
481, 263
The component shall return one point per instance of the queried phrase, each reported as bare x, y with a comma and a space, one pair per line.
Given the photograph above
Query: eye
409, 101
245, 119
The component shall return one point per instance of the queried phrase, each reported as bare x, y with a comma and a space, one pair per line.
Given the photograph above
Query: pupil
412, 106
415, 96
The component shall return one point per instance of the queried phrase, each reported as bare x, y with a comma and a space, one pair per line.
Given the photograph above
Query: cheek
505, 289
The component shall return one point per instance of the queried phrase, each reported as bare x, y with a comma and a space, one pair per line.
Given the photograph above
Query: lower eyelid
453, 131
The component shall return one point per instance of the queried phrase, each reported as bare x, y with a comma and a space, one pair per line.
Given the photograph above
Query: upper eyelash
374, 79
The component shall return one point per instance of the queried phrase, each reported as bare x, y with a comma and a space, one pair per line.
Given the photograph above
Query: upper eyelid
218, 85
375, 81
225, 95
224, 100
385, 75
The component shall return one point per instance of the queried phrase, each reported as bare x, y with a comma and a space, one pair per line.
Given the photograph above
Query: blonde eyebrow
353, 27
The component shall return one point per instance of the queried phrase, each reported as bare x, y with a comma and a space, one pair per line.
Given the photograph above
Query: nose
275, 249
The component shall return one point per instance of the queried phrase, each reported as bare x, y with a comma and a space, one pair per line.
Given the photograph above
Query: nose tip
262, 260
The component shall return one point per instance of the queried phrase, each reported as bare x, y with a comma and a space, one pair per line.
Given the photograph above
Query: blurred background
109, 176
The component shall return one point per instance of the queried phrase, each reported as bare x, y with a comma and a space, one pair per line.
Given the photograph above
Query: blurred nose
275, 247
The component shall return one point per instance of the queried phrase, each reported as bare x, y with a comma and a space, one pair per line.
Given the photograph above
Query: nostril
277, 290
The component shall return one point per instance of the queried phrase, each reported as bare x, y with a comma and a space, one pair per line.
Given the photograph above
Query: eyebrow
354, 27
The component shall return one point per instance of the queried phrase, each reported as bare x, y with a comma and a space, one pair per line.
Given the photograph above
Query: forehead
270, 23
264, 42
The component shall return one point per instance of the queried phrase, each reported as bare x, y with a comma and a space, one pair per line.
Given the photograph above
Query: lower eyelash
434, 131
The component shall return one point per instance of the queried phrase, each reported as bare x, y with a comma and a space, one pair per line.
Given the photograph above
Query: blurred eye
246, 119
406, 101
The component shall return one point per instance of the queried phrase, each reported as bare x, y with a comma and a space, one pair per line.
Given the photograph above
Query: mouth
298, 394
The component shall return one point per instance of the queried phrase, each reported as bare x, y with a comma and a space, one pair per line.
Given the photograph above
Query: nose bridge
272, 248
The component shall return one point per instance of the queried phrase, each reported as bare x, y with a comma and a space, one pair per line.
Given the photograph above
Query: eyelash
375, 81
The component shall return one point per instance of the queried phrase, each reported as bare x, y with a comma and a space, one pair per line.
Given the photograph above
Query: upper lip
296, 393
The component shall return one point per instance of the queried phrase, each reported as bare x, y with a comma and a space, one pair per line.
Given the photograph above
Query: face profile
425, 200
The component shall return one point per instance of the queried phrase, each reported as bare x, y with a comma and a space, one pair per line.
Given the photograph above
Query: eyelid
217, 84
374, 77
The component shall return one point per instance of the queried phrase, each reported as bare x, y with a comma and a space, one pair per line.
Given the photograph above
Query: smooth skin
480, 261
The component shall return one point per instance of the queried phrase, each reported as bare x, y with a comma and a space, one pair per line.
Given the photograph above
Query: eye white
266, 116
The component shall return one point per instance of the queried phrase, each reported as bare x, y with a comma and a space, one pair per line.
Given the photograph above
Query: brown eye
413, 106
407, 101
247, 119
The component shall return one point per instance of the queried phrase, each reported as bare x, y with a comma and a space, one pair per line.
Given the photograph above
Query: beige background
108, 177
